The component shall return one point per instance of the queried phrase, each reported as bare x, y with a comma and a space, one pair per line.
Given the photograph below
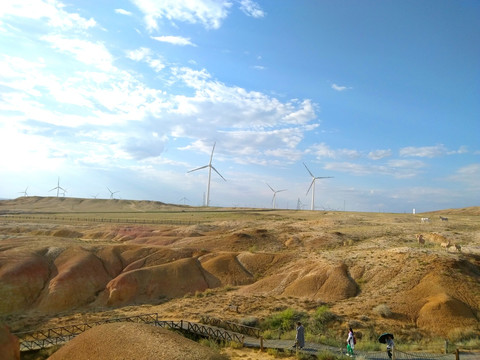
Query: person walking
300, 336
390, 346
350, 342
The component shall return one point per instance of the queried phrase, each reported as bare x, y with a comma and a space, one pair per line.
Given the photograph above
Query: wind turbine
184, 199
112, 193
210, 167
275, 194
58, 187
312, 185
24, 192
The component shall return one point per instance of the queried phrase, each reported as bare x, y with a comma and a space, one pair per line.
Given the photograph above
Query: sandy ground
62, 268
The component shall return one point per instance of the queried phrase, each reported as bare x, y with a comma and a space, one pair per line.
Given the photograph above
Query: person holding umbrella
387, 338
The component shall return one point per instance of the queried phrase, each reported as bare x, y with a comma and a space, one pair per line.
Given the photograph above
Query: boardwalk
221, 331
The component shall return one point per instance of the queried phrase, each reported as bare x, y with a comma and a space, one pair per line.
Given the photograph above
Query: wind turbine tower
275, 195
58, 187
210, 167
112, 193
312, 185
24, 192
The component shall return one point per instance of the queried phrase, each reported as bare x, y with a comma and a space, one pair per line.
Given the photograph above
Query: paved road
313, 348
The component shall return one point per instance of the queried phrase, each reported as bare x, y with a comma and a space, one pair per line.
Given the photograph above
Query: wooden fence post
261, 343
393, 353
457, 354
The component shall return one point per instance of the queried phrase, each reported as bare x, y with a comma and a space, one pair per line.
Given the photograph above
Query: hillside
28, 204
238, 264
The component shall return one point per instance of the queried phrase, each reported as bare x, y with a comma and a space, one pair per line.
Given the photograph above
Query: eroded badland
65, 260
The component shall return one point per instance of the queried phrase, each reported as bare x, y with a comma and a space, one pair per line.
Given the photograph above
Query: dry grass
185, 262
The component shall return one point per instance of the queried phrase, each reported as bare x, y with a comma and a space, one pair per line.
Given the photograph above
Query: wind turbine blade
52, 189
308, 170
218, 173
311, 184
270, 188
281, 190
203, 167
211, 156
324, 177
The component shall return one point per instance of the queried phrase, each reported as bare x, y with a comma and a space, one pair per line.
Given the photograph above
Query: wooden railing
238, 328
39, 339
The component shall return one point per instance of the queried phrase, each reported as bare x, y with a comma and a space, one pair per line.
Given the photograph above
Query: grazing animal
420, 239
446, 245
425, 220
458, 247
443, 218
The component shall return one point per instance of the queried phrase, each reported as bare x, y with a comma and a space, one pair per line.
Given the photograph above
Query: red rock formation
9, 345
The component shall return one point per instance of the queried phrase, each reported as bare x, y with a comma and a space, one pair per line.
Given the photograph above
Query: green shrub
283, 321
383, 310
328, 355
249, 321
321, 318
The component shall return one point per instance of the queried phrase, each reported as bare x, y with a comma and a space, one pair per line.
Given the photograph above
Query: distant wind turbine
112, 193
184, 199
58, 187
312, 185
24, 192
299, 204
275, 194
210, 167
94, 196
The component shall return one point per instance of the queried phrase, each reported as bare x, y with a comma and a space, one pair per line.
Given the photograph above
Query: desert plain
68, 260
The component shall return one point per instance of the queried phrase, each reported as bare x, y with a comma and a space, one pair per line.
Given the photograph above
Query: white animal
425, 220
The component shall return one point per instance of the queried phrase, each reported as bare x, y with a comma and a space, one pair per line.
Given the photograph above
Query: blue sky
128, 96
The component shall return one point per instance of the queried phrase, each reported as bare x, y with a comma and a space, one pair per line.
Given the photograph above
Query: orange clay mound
226, 269
443, 313
170, 280
79, 275
22, 277
309, 280
133, 341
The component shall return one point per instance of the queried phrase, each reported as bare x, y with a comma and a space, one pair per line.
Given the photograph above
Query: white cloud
379, 154
139, 54
324, 151
175, 40
424, 151
51, 10
208, 13
251, 8
123, 12
461, 150
468, 175
340, 88
87, 52
234, 107
400, 169
145, 54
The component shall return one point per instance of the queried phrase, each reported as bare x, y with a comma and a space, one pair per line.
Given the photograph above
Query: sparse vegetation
265, 274
383, 310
